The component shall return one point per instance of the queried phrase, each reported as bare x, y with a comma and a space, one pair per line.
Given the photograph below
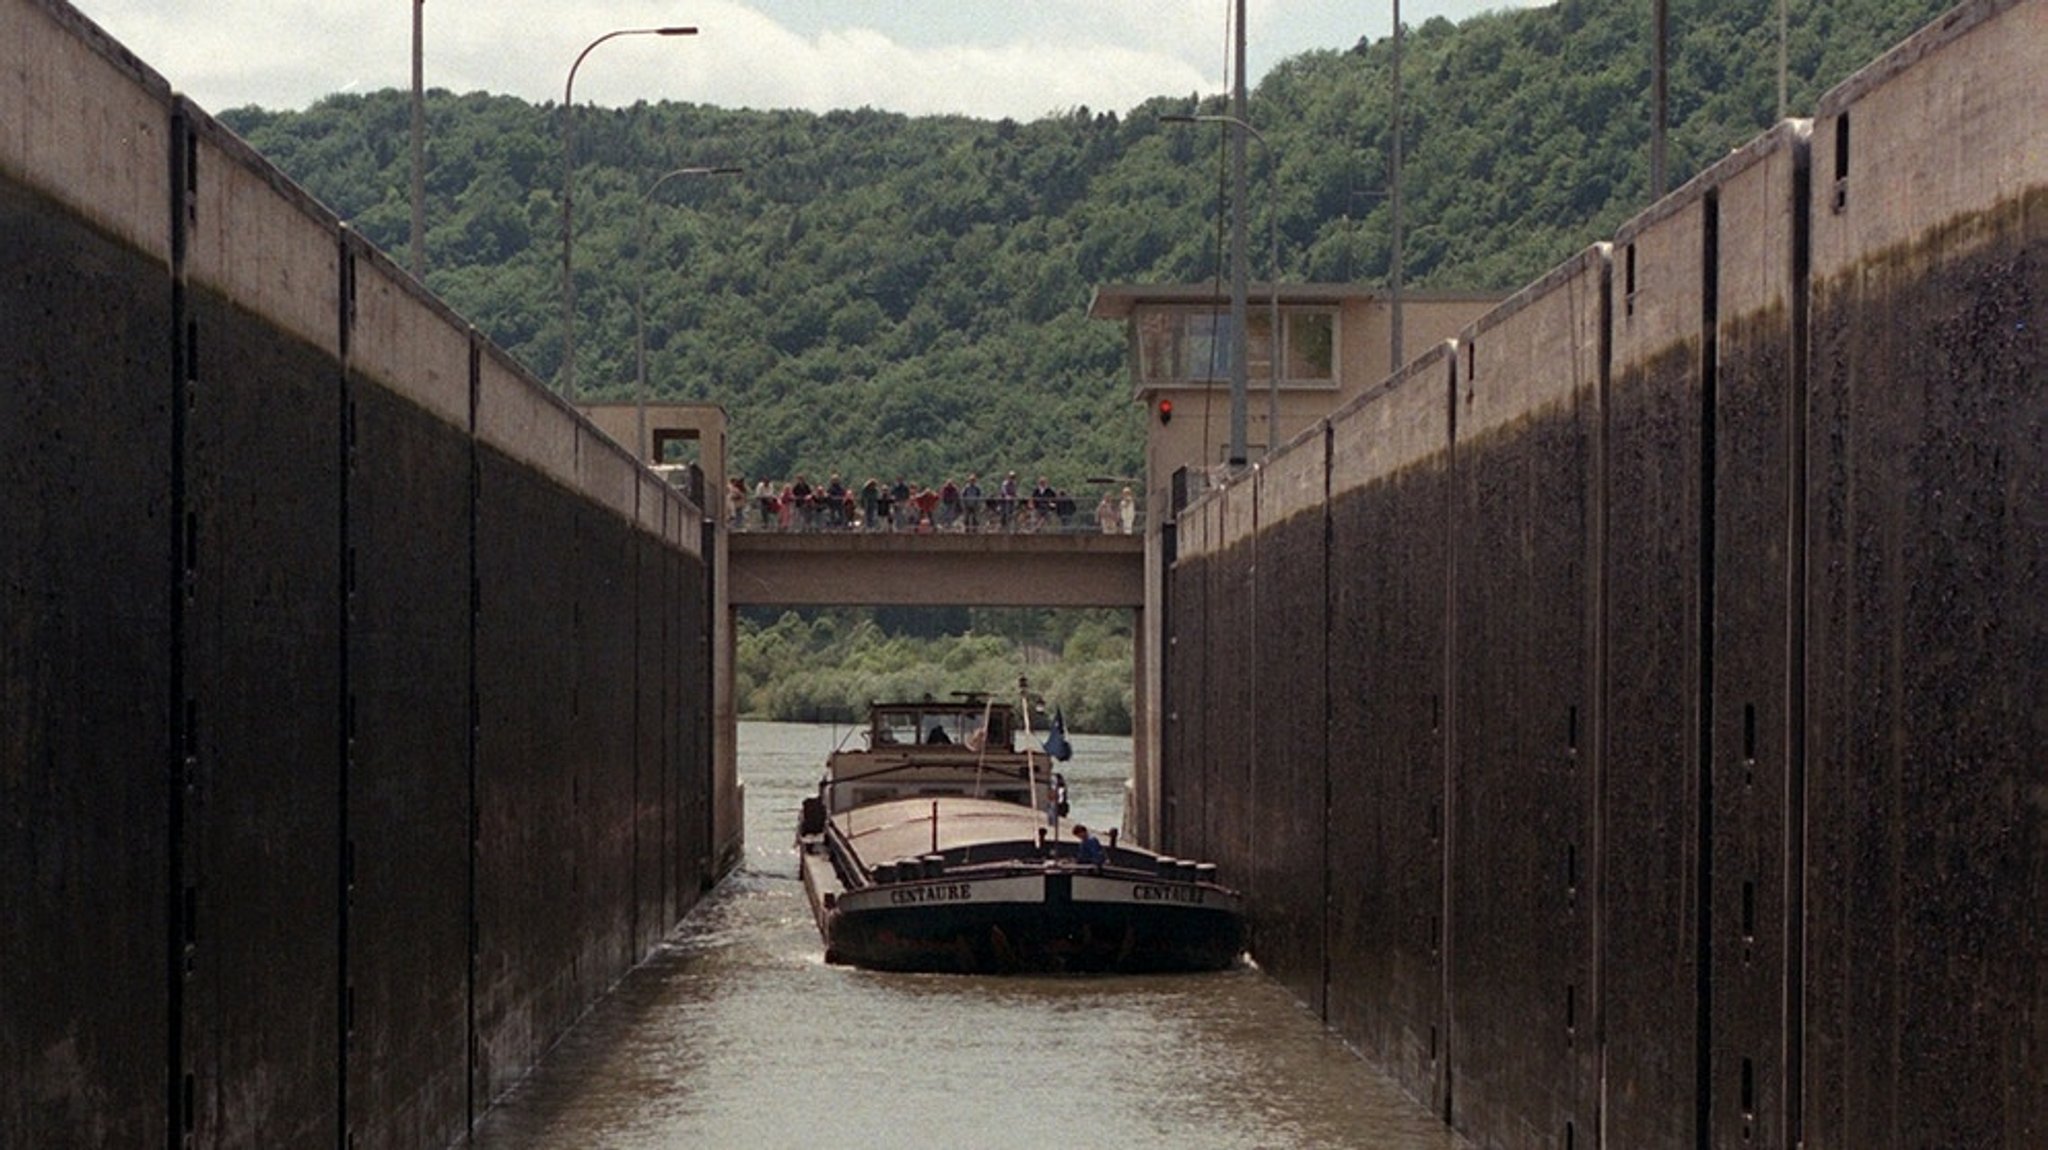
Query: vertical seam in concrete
1792, 1095
344, 846
1206, 566
1596, 847
637, 553
472, 1053
1329, 721
178, 764
1703, 1070
1448, 739
672, 686
663, 753
1168, 718
1256, 481
704, 744
671, 732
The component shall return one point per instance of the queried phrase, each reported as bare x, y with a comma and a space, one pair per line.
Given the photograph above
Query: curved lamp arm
568, 196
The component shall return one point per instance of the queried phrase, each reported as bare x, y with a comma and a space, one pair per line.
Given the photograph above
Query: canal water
735, 1035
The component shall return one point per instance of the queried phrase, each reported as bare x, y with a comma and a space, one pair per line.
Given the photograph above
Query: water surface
737, 1036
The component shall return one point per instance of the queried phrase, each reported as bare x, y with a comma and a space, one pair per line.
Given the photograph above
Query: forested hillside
879, 294
885, 295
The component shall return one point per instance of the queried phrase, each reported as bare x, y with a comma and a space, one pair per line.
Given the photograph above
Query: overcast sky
986, 58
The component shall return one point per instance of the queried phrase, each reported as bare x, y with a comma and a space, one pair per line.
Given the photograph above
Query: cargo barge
936, 845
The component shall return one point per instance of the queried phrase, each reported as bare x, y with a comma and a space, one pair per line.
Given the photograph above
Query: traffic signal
1165, 411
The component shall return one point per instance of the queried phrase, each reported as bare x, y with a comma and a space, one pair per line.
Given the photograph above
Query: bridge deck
894, 569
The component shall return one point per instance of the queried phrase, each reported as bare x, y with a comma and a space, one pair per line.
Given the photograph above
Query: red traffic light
1166, 411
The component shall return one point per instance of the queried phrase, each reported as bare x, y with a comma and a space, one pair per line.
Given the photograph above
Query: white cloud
1024, 80
743, 57
987, 58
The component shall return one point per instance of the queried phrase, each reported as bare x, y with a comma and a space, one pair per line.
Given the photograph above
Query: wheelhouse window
970, 727
1183, 346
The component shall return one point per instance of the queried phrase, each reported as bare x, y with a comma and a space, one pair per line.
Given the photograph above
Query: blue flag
1056, 743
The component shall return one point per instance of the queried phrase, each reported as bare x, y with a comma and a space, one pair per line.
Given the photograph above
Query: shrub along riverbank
828, 666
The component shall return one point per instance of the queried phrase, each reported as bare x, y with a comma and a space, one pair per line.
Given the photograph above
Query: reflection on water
736, 1034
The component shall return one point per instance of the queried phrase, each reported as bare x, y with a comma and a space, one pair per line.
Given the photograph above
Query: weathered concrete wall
1229, 822
1926, 1008
353, 691
1684, 648
1183, 668
1285, 872
1649, 856
1695, 731
1388, 619
1522, 514
87, 591
261, 498
410, 653
1756, 803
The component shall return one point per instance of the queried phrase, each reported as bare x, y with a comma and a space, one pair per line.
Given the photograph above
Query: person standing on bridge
1006, 500
835, 502
899, 498
1106, 515
870, 500
885, 506
1127, 511
926, 501
949, 505
970, 501
806, 511
1043, 501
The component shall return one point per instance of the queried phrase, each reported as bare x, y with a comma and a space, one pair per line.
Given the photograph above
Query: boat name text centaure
948, 892
1144, 892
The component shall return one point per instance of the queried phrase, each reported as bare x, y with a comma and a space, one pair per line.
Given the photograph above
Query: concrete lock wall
86, 588
1519, 939
1388, 615
1926, 1007
1284, 868
1684, 656
354, 691
410, 652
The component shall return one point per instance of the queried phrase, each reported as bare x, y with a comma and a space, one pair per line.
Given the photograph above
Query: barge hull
1070, 937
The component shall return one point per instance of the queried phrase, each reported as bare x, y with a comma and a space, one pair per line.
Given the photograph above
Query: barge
936, 846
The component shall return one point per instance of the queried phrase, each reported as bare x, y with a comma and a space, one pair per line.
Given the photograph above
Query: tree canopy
886, 295
883, 294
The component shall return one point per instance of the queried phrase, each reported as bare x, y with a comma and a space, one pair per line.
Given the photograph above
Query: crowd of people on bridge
1002, 506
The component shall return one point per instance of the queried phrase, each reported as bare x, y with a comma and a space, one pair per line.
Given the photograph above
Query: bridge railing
994, 517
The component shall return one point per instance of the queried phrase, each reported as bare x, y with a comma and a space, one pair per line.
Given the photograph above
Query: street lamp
568, 195
640, 301
1395, 357
1273, 288
419, 150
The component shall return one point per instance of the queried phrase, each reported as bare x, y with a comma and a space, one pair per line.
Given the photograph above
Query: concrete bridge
1065, 565
995, 569
1627, 713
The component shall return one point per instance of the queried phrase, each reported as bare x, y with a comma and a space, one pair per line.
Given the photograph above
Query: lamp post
568, 196
1273, 287
419, 149
1394, 271
1660, 92
640, 300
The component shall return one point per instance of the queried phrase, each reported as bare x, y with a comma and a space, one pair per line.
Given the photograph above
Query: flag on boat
1056, 743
